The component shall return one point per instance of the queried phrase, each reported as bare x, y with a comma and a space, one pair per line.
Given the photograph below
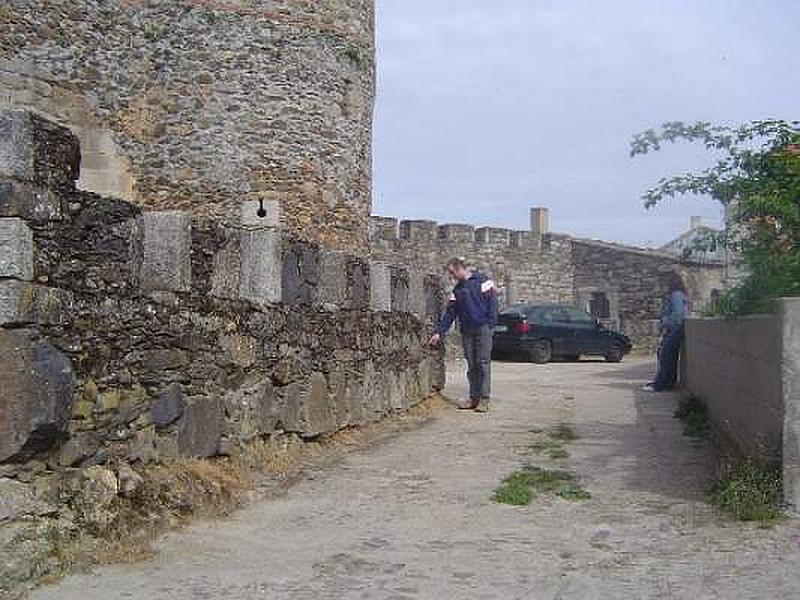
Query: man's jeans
478, 352
668, 356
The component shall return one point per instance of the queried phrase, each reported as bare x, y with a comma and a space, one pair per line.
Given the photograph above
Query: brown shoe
468, 405
482, 406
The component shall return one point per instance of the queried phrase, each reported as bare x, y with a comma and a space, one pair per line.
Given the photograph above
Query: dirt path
413, 517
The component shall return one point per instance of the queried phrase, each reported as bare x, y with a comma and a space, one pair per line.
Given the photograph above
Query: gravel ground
413, 517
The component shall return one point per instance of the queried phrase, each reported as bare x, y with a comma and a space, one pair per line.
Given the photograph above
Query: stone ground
413, 517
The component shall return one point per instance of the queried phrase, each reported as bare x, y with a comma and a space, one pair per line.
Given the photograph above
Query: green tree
757, 177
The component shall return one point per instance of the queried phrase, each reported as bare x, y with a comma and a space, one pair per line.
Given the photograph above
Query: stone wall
128, 335
200, 104
747, 371
634, 281
537, 266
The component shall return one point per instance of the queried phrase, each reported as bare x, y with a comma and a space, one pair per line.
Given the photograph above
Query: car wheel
542, 352
615, 353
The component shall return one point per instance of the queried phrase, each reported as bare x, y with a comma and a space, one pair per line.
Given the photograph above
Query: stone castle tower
208, 105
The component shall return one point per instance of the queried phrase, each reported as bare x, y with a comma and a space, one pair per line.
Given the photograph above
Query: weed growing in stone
750, 492
523, 485
694, 415
553, 444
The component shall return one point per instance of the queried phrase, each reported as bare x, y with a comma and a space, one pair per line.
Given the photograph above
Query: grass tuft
694, 415
750, 492
522, 486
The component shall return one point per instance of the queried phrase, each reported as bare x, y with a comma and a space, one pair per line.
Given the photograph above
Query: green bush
750, 492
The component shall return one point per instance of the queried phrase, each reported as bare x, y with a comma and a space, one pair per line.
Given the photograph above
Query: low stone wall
132, 336
747, 371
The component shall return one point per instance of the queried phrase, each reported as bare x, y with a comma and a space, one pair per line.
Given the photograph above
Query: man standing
474, 303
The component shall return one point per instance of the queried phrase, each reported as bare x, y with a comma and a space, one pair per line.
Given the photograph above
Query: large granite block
166, 265
260, 276
36, 395
380, 288
16, 249
22, 302
25, 200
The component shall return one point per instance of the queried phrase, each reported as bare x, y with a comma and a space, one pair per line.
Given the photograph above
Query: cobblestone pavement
413, 517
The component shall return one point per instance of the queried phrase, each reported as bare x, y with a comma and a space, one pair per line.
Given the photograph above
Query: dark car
542, 332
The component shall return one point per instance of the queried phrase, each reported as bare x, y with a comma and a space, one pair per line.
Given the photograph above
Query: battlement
392, 229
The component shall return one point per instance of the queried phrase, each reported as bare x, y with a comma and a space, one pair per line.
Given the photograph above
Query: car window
578, 316
553, 314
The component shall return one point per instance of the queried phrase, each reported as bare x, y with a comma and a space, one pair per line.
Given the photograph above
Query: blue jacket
674, 311
473, 302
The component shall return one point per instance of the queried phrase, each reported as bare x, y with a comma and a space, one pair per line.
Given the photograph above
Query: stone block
317, 414
29, 202
457, 232
200, 428
523, 240
35, 150
19, 500
16, 249
307, 408
300, 274
249, 411
166, 265
22, 302
333, 278
358, 284
227, 266
380, 288
36, 395
434, 297
400, 286
493, 235
169, 406
382, 228
416, 295
255, 214
260, 275
419, 230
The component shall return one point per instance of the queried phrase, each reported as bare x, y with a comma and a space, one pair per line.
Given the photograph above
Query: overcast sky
486, 108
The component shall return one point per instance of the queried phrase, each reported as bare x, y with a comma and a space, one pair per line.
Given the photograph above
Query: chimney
540, 221
695, 222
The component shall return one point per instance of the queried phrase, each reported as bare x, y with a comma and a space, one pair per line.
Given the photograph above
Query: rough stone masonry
130, 335
199, 104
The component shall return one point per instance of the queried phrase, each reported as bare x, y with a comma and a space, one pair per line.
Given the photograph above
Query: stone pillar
332, 289
540, 225
540, 221
166, 265
380, 289
260, 276
16, 249
790, 369
400, 289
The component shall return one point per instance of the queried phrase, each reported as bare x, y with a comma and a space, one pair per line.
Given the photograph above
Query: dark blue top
473, 302
674, 311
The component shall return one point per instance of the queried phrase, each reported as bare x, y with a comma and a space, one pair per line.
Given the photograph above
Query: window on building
599, 306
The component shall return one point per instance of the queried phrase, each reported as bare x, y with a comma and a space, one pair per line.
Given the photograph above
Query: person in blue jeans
673, 314
474, 303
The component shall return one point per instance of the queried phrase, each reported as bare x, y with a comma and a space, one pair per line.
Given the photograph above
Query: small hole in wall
261, 212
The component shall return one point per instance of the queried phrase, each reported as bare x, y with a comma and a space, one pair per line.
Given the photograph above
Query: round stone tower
208, 105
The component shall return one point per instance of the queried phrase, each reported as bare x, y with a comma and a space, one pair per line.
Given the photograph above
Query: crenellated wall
132, 335
538, 266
